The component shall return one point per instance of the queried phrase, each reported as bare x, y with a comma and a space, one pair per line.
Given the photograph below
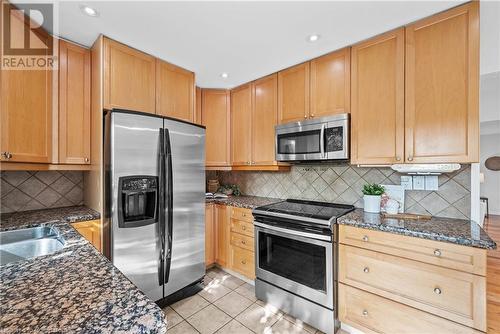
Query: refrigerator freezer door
136, 248
187, 256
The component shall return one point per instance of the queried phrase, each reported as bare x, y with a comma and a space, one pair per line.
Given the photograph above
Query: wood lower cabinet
382, 271
90, 230
293, 94
442, 87
215, 116
175, 91
74, 104
377, 100
129, 78
26, 104
330, 84
210, 239
222, 230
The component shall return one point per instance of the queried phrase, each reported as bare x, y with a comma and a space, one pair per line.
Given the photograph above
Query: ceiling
245, 39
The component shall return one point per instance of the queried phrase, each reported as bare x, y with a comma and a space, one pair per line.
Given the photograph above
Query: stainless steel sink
27, 243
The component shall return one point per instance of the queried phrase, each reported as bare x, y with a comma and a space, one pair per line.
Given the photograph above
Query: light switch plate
431, 182
418, 182
407, 182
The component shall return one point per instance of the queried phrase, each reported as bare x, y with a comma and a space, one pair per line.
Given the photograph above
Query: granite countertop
74, 290
243, 201
456, 231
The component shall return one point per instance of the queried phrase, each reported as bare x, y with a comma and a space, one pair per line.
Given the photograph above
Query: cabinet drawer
451, 294
242, 214
443, 254
242, 227
243, 261
243, 241
373, 314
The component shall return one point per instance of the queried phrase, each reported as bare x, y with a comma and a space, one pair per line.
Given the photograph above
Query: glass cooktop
308, 209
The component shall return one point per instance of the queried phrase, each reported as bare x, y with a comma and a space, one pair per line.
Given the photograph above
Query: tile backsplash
343, 184
26, 190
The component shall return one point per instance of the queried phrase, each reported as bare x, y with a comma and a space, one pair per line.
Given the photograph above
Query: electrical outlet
406, 182
419, 182
431, 182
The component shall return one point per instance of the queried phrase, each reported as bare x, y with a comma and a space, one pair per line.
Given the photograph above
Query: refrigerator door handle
169, 200
161, 207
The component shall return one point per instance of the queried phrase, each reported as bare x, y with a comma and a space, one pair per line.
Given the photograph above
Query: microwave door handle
322, 140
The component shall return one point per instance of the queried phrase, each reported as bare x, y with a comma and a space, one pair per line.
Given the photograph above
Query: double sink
28, 243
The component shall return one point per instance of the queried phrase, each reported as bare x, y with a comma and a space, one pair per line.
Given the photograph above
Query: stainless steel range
296, 255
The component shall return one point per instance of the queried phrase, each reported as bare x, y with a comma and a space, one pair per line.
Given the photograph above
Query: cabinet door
174, 91
293, 93
209, 235
129, 78
26, 105
222, 235
330, 83
197, 118
241, 125
442, 87
377, 99
74, 104
215, 116
264, 119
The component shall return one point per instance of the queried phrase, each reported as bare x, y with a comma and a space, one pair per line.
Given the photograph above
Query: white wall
490, 145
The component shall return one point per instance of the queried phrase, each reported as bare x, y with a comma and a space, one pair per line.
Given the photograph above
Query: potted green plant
372, 196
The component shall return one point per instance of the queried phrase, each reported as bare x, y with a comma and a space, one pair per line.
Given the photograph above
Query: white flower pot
372, 203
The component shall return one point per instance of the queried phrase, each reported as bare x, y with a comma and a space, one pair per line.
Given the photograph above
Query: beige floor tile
301, 324
257, 318
189, 306
284, 326
173, 318
209, 320
233, 303
231, 282
247, 290
234, 327
214, 290
182, 328
214, 271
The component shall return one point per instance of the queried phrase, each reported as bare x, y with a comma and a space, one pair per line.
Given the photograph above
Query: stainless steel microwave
325, 138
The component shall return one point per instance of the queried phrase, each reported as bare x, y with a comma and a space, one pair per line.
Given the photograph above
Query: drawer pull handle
366, 270
437, 252
365, 313
243, 227
437, 291
244, 214
243, 242
243, 262
365, 238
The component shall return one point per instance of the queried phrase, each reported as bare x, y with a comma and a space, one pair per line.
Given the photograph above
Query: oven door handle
293, 232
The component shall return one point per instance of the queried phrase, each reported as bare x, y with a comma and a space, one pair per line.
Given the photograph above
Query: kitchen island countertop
74, 290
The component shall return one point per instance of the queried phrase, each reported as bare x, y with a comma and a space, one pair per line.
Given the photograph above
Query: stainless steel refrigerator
155, 200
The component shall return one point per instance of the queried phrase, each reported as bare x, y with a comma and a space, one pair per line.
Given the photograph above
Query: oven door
296, 262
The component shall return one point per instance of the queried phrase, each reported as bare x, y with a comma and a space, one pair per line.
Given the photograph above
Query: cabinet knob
253, 162
312, 115
398, 158
243, 227
243, 242
87, 159
410, 158
365, 238
305, 116
437, 291
243, 262
366, 270
365, 313
437, 252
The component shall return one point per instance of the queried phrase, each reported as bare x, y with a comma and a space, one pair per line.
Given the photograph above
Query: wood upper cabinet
175, 91
197, 114
442, 87
26, 105
377, 99
129, 78
74, 104
293, 93
241, 125
216, 118
330, 84
264, 119
210, 237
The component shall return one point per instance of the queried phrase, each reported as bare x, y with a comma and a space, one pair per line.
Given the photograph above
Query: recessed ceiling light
89, 11
224, 75
313, 38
